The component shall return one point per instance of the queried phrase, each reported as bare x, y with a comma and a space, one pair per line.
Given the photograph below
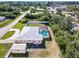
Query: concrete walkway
17, 31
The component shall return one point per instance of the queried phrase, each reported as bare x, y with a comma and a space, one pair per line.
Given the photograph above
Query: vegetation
5, 8
21, 24
36, 25
10, 15
64, 36
7, 35
4, 48
66, 39
33, 10
5, 22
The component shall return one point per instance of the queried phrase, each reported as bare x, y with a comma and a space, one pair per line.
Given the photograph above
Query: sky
39, 0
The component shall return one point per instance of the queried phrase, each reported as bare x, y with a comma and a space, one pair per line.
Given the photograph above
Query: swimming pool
44, 33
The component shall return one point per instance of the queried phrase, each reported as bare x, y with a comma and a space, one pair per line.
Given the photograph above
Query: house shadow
21, 55
36, 46
49, 38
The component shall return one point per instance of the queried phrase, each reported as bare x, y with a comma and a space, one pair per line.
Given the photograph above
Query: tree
59, 12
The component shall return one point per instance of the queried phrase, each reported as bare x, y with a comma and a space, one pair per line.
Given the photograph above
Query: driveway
4, 30
11, 39
15, 35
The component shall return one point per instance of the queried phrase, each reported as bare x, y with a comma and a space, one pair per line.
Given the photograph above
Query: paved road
4, 30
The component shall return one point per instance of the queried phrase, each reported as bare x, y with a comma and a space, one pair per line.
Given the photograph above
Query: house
50, 9
40, 9
69, 13
32, 35
2, 18
29, 36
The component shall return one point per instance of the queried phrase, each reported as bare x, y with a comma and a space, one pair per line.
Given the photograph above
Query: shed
18, 48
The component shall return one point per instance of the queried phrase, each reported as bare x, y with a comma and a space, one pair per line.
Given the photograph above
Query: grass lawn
19, 25
5, 22
36, 24
7, 35
4, 48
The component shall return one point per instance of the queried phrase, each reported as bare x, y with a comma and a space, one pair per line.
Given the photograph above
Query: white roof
40, 9
18, 46
30, 33
36, 13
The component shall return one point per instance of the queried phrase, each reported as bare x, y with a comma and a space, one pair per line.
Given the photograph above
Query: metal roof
18, 46
30, 33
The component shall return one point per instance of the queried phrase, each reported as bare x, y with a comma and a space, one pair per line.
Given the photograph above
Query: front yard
19, 25
7, 35
4, 48
5, 22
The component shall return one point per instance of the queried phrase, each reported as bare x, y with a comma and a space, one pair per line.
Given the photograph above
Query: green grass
4, 48
5, 23
36, 25
7, 35
19, 25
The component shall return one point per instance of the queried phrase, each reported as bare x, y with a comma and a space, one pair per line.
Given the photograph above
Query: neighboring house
75, 26
69, 14
51, 9
60, 7
54, 9
40, 9
2, 18
72, 14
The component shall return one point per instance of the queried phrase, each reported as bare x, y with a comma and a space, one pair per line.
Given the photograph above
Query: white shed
18, 48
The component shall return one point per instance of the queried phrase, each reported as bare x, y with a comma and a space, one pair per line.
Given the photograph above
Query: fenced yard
51, 49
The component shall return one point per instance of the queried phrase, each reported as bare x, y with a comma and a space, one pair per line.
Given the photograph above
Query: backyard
36, 25
51, 48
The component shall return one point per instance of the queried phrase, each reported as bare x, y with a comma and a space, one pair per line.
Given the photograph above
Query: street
4, 30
